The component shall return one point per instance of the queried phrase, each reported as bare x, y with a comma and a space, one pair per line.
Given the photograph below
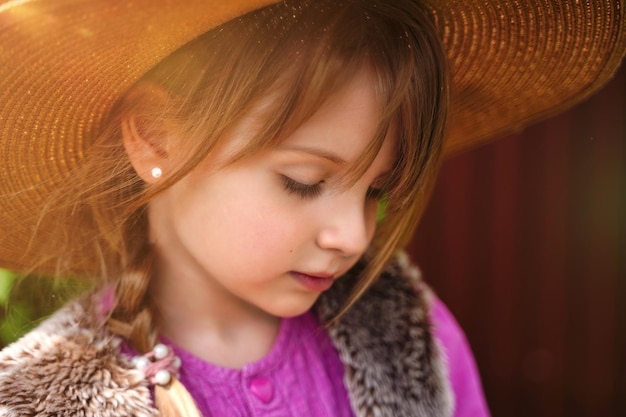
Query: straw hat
63, 63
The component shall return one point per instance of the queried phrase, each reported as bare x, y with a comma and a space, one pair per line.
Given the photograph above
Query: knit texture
301, 376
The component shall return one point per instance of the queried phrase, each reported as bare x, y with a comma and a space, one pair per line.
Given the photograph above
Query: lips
314, 282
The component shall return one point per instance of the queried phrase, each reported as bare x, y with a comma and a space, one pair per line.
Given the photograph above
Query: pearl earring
156, 172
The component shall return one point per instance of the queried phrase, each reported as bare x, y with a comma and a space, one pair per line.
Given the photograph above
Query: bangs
282, 62
319, 49
322, 48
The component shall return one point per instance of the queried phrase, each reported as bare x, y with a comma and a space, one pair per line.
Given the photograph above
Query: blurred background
525, 241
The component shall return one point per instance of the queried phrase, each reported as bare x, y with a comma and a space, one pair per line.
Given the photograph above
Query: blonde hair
291, 56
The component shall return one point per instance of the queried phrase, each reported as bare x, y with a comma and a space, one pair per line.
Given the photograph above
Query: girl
240, 205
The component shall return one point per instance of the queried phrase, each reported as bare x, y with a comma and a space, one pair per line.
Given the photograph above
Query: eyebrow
321, 153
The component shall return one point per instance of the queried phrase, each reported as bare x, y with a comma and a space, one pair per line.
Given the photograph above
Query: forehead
346, 122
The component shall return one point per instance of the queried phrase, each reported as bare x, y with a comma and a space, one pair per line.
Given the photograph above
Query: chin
290, 310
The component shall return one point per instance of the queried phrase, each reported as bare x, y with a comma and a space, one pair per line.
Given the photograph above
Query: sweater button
262, 388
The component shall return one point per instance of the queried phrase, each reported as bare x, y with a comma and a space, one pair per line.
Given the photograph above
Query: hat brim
514, 63
64, 63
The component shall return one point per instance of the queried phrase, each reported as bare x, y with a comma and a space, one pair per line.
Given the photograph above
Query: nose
347, 229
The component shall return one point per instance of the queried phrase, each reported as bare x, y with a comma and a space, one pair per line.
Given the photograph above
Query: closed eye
304, 191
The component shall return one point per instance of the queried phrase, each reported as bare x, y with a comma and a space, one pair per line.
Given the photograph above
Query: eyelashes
303, 191
309, 191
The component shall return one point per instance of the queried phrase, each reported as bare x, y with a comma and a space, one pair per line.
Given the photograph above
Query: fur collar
69, 366
393, 365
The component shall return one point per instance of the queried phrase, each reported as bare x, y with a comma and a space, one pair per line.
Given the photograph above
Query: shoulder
462, 370
69, 365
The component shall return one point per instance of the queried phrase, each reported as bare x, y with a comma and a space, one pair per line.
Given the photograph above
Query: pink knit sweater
303, 376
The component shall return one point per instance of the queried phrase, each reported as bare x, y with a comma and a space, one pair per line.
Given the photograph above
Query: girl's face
274, 230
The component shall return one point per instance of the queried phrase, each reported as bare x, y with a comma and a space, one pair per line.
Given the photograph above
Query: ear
147, 141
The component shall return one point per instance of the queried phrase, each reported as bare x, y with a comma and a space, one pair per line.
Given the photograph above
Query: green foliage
381, 212
6, 283
25, 301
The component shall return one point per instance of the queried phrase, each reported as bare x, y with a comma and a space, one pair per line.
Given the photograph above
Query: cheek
250, 224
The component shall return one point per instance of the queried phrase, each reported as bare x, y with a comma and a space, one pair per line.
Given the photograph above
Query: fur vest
70, 366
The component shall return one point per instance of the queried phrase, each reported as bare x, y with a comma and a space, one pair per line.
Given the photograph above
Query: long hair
291, 57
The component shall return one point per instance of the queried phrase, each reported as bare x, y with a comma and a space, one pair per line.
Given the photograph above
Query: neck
208, 321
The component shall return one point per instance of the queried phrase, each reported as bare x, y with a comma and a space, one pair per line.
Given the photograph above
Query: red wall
525, 240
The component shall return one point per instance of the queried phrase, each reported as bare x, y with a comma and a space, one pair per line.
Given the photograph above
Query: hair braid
133, 301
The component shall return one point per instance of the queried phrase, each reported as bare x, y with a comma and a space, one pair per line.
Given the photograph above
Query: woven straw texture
63, 63
521, 61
